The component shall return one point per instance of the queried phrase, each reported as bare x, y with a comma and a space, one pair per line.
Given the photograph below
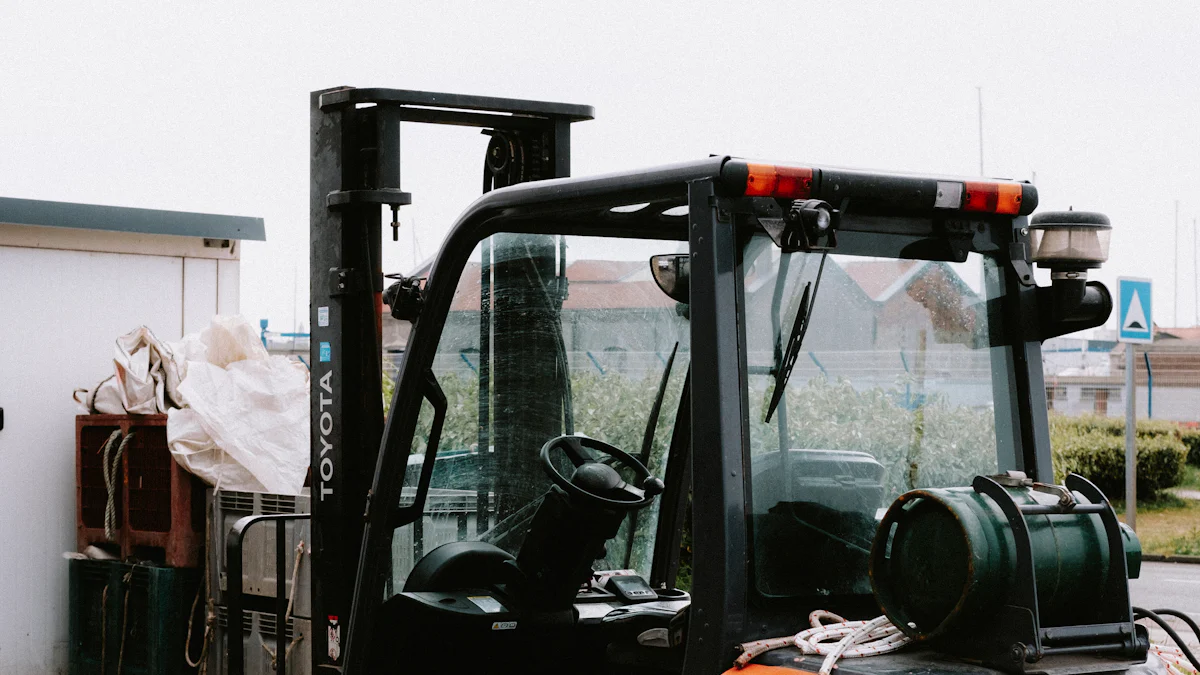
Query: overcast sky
204, 106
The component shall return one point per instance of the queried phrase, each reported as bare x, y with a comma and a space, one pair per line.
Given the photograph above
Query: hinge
1019, 258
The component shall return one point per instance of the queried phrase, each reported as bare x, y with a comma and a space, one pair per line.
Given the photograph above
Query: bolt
1017, 653
1024, 231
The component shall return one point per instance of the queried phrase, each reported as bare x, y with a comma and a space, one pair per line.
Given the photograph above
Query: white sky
204, 106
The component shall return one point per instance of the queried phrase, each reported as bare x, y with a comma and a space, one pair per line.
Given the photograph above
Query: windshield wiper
648, 443
783, 366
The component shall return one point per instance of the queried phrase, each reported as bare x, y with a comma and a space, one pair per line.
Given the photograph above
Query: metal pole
1175, 279
1196, 278
1130, 438
1149, 387
979, 91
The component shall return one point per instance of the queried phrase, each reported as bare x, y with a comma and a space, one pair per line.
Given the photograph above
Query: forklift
651, 421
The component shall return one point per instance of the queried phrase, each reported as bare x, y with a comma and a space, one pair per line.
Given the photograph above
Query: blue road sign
1136, 323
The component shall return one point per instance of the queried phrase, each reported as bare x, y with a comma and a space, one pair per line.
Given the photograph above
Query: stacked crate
159, 506
130, 619
133, 618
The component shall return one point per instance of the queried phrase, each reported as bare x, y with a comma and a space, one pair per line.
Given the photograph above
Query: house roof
127, 219
1188, 333
880, 279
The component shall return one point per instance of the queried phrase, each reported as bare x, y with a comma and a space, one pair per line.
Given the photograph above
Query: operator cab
645, 418
543, 544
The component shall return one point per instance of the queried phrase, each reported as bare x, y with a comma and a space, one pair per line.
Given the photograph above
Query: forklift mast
355, 170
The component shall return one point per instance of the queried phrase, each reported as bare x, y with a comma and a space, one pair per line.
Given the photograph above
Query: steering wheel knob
653, 486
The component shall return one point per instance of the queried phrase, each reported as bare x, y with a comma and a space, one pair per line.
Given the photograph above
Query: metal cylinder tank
944, 559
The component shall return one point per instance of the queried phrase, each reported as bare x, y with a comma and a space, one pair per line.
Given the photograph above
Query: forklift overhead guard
573, 475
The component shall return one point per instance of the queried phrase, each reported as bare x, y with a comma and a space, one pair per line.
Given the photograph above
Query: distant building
1088, 376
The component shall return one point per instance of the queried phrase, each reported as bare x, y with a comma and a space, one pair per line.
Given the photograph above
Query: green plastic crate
154, 625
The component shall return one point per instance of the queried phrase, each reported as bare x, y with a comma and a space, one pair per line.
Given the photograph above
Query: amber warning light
902, 191
785, 182
992, 197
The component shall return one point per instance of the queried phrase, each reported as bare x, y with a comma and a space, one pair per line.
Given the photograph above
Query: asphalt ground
1172, 586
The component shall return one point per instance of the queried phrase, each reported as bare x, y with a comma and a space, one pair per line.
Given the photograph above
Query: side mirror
672, 273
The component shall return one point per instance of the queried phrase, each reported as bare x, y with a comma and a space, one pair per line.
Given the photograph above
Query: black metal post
720, 562
354, 169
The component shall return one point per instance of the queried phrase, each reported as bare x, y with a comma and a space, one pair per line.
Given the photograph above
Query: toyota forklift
652, 421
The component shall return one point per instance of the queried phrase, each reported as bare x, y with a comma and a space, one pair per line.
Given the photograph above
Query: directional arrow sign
1136, 322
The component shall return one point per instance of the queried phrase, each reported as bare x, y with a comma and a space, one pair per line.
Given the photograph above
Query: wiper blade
783, 368
656, 408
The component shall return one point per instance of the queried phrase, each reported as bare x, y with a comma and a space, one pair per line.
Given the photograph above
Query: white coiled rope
852, 639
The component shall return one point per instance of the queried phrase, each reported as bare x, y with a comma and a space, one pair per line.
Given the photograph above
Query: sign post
1135, 326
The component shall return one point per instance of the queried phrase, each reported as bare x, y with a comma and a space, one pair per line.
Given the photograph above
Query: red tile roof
877, 276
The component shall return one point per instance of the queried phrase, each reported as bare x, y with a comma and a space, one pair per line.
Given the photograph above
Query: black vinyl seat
463, 564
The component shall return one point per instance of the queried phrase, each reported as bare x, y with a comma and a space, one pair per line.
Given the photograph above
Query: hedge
1191, 439
1094, 447
933, 444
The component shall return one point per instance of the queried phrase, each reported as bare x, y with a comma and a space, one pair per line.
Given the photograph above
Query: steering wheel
598, 483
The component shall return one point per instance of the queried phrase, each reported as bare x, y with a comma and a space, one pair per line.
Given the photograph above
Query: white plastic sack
256, 412
229, 339
194, 449
145, 378
245, 424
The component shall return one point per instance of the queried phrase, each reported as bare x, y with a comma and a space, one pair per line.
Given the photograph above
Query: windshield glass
561, 335
894, 387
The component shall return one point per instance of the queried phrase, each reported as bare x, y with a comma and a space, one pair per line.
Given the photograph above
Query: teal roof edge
127, 219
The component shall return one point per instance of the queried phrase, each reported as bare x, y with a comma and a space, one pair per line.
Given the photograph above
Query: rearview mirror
672, 272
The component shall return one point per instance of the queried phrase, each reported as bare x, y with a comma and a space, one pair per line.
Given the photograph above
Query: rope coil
854, 639
111, 466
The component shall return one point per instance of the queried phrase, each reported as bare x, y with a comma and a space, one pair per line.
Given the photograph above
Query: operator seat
520, 612
463, 564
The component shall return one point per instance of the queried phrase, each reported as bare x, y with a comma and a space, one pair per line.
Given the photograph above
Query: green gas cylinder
945, 559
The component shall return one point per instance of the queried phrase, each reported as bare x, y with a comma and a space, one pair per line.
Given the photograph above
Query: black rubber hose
1180, 615
1153, 616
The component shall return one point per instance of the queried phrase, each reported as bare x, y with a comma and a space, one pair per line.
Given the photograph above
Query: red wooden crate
159, 506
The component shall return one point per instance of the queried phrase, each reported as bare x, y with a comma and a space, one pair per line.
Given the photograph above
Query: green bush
1191, 440
1114, 426
1094, 447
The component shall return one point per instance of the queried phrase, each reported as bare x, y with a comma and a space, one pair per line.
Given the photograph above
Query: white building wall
229, 281
60, 311
1178, 404
199, 293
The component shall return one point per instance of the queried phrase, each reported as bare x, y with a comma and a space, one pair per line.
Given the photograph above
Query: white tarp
145, 378
237, 417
